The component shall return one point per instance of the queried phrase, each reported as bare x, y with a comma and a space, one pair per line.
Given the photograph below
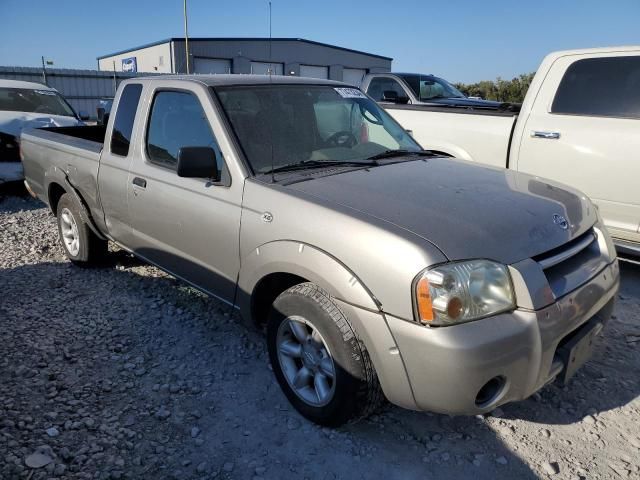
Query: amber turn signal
425, 307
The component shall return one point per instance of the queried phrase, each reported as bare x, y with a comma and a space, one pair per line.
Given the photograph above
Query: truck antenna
270, 59
273, 175
186, 36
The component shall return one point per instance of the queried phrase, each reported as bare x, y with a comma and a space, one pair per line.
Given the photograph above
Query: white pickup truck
579, 124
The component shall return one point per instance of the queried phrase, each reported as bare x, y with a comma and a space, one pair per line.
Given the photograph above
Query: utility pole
186, 35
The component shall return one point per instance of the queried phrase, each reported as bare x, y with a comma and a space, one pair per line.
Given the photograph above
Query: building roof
217, 80
242, 39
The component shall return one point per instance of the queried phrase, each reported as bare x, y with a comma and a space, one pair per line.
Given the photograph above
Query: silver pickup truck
376, 268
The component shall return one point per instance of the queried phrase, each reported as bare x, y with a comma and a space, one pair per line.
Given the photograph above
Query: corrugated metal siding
82, 88
290, 53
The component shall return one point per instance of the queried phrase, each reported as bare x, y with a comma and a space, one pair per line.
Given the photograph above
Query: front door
584, 131
188, 226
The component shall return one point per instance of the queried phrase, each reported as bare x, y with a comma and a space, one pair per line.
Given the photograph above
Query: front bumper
448, 366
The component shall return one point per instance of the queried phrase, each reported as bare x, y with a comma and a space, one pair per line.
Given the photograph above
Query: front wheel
320, 364
81, 245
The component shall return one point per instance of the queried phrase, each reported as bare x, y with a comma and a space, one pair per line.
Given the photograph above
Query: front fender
360, 305
304, 260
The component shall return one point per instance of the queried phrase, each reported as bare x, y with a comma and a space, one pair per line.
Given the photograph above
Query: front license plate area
575, 352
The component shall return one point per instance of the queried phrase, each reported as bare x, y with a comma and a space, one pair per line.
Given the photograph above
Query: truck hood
12, 123
466, 210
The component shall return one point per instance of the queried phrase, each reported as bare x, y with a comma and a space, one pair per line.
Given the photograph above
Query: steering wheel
343, 138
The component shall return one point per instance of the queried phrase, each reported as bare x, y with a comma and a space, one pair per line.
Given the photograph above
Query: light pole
186, 35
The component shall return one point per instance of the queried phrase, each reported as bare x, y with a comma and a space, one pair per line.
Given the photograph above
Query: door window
379, 85
605, 87
177, 120
126, 114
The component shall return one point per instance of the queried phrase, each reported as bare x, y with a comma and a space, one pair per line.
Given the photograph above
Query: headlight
463, 291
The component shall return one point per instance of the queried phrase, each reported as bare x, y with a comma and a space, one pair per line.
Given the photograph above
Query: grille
572, 264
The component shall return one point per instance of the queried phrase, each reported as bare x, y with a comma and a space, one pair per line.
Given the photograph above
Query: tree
501, 90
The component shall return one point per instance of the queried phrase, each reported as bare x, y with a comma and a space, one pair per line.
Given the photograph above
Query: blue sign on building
129, 65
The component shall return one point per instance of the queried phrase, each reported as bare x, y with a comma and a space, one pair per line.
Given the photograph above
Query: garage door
211, 65
313, 71
262, 68
353, 76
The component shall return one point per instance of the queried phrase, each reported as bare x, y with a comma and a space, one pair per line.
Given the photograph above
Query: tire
89, 249
354, 391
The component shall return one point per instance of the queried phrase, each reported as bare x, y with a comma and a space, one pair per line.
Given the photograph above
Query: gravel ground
124, 372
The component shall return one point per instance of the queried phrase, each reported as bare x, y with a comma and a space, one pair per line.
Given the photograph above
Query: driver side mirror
198, 162
392, 96
83, 115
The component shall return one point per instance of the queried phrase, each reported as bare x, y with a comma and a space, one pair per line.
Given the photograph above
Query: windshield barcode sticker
45, 92
350, 93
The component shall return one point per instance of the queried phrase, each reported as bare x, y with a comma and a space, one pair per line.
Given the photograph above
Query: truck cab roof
590, 51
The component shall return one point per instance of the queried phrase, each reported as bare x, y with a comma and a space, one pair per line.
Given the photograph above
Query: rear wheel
322, 367
80, 244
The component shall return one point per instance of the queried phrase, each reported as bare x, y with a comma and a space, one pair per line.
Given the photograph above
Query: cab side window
602, 87
379, 85
177, 120
126, 114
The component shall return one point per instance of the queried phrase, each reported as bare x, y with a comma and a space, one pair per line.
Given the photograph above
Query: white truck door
584, 130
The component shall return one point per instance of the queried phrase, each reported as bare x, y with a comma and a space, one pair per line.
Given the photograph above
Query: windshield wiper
306, 164
401, 153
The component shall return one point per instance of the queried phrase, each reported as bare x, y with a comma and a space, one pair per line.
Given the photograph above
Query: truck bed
74, 150
481, 135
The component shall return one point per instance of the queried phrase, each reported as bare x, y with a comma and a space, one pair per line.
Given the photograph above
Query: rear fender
57, 175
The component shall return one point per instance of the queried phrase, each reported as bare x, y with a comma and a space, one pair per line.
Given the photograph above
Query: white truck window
605, 87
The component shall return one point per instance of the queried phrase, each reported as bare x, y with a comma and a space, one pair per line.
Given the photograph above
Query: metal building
288, 56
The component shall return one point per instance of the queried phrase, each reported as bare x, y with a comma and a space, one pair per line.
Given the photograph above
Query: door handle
140, 182
547, 135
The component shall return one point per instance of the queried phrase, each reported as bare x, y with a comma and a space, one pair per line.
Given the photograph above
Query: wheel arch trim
62, 180
306, 261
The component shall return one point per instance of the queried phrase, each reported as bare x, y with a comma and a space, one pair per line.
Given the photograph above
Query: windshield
34, 101
280, 125
427, 87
